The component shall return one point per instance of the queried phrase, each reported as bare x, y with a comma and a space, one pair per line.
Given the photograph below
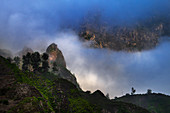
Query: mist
22, 21
116, 72
38, 23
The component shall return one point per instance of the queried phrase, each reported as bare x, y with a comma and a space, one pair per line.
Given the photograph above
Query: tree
55, 66
133, 91
149, 91
45, 64
28, 58
9, 59
24, 65
35, 61
45, 56
17, 60
26, 62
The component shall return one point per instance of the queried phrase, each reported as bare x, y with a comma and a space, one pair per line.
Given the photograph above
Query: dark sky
36, 23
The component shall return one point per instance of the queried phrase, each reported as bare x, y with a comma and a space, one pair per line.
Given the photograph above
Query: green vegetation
157, 103
17, 60
80, 105
45, 64
133, 91
35, 61
26, 61
47, 92
32, 104
31, 62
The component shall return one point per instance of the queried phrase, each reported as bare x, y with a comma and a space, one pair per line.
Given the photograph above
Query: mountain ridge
154, 102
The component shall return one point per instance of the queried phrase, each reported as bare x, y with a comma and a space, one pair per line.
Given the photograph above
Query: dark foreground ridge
27, 92
155, 103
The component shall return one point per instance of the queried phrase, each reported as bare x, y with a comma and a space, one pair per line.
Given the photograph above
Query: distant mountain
27, 92
155, 103
5, 53
137, 36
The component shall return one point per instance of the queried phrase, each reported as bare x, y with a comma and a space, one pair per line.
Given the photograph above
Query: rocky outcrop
64, 73
55, 55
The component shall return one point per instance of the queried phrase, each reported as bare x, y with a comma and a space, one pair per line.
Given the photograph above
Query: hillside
26, 92
155, 103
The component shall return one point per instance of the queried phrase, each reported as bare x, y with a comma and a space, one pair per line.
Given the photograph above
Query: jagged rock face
142, 35
66, 74
55, 55
122, 38
24, 51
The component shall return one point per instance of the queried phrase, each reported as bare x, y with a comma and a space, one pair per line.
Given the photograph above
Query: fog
21, 21
116, 72
37, 23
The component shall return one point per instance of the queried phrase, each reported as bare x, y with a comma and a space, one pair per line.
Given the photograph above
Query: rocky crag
141, 35
55, 55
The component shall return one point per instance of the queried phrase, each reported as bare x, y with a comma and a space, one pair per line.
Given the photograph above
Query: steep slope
26, 92
109, 106
155, 103
56, 56
18, 96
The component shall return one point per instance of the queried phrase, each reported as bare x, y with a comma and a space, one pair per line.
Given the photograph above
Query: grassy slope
156, 103
38, 93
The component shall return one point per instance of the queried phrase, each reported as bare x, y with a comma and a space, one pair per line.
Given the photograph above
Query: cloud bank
116, 72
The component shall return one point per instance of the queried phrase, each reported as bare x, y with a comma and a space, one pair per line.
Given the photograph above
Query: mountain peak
52, 47
55, 55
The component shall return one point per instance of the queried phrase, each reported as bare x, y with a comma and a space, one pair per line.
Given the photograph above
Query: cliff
55, 55
137, 36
